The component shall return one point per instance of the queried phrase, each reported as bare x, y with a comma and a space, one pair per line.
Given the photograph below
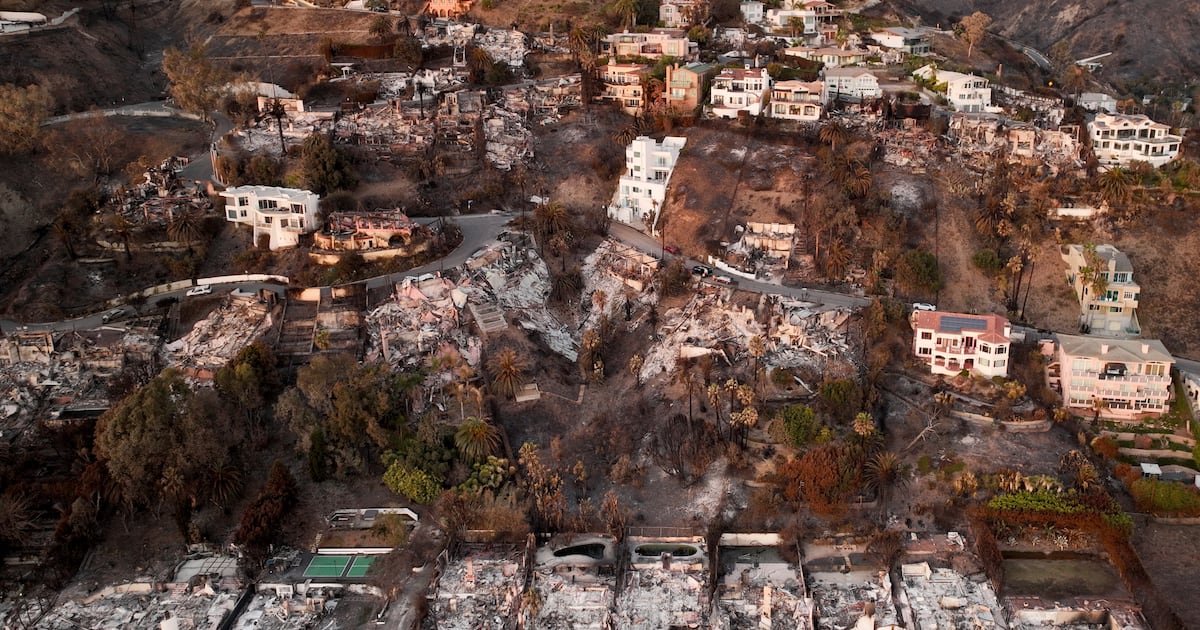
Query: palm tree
837, 257
508, 371
121, 228
550, 218
225, 482
185, 226
691, 384
278, 113
625, 135
628, 10
883, 473
635, 367
833, 134
476, 438
1116, 186
856, 179
757, 348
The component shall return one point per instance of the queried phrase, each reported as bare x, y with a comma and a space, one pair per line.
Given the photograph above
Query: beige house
682, 13
447, 8
797, 100
684, 86
1114, 312
831, 57
660, 42
623, 85
1125, 379
953, 342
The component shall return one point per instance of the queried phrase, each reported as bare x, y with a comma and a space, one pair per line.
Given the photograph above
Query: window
243, 201
1129, 295
267, 220
1001, 349
923, 351
232, 214
297, 208
984, 348
999, 363
267, 204
244, 214
1115, 309
926, 335
1155, 369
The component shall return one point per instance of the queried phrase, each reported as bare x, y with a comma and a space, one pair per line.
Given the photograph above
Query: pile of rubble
143, 606
423, 316
507, 46
509, 140
576, 586
272, 612
480, 589
908, 145
943, 598
665, 585
987, 134
844, 600
217, 338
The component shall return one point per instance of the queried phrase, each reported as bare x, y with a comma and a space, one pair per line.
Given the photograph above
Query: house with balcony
1097, 102
1118, 139
642, 189
280, 214
910, 41
850, 84
682, 13
964, 92
831, 57
659, 42
1122, 379
736, 90
802, 19
797, 100
623, 85
952, 343
1108, 295
684, 86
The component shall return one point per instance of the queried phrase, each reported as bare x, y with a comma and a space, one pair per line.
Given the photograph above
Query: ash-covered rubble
422, 317
846, 600
758, 588
477, 587
144, 606
973, 135
214, 340
943, 598
576, 578
665, 585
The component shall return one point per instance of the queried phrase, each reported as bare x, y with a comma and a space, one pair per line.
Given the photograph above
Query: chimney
1103, 348
1145, 348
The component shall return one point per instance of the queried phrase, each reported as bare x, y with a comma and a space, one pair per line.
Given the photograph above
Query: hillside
1145, 47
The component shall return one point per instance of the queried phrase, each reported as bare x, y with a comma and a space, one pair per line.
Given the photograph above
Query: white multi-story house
1126, 379
659, 42
797, 100
623, 85
953, 342
802, 19
1097, 102
736, 90
282, 214
752, 12
1113, 313
1118, 139
682, 13
965, 92
642, 190
855, 84
906, 40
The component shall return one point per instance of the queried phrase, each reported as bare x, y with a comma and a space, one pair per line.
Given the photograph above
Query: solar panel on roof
951, 323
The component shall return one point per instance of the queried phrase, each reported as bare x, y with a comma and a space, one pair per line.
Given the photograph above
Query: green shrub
412, 483
800, 425
1035, 501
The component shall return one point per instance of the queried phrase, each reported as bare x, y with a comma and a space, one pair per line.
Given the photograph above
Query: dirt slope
1145, 44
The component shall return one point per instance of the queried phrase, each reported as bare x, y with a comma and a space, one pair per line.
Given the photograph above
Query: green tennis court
359, 567
327, 566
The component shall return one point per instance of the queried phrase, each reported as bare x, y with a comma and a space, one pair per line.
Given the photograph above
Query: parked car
701, 271
671, 249
112, 314
723, 280
923, 306
203, 289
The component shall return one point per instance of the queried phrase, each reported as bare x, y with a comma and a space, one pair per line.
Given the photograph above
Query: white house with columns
642, 190
283, 214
